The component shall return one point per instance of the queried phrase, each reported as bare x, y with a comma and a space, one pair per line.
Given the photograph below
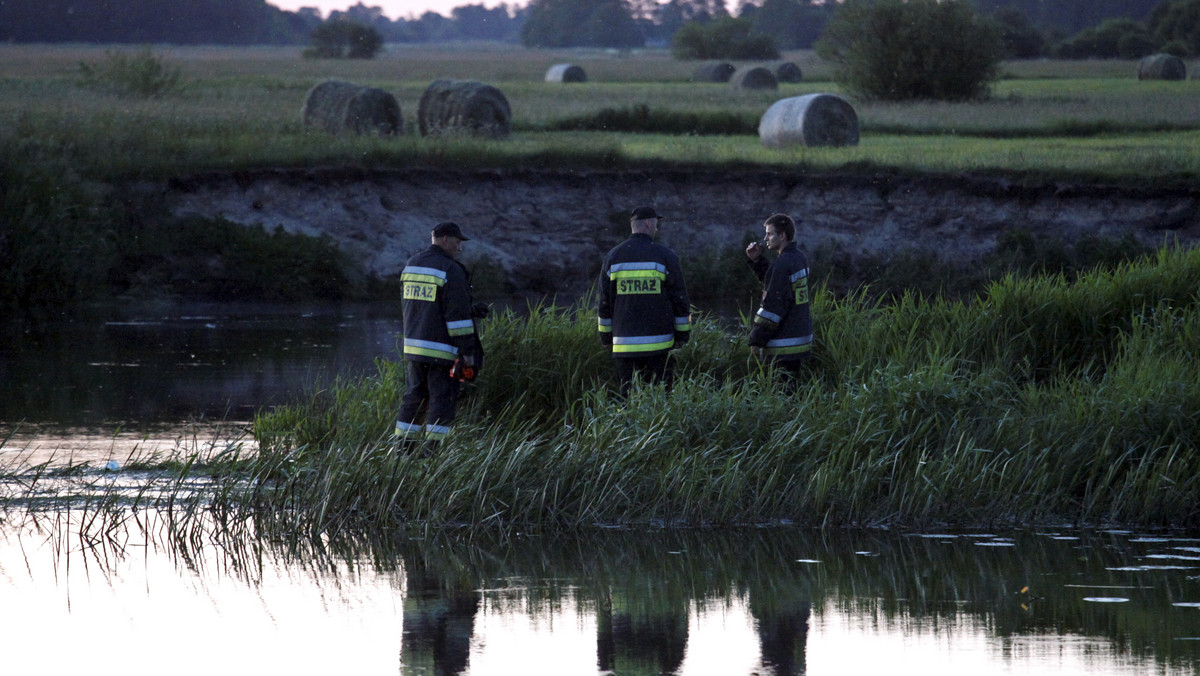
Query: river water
146, 594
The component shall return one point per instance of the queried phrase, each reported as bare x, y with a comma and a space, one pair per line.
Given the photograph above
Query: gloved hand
606, 339
682, 337
480, 310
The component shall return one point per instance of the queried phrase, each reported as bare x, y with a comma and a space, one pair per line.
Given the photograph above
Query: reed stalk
1045, 399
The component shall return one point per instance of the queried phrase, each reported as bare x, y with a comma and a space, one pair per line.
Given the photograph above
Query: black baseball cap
449, 229
643, 213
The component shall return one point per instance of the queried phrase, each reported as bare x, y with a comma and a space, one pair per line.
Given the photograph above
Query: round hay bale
786, 71
714, 72
565, 72
463, 106
340, 107
810, 120
1162, 67
754, 77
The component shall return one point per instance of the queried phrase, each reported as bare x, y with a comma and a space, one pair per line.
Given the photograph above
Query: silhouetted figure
438, 623
644, 641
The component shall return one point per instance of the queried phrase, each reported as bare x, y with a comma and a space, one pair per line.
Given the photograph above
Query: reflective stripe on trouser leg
436, 432
404, 429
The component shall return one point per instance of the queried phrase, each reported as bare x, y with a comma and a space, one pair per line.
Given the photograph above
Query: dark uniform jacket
783, 325
643, 309
437, 308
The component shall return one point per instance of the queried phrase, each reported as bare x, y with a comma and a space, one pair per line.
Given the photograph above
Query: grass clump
641, 119
141, 74
1044, 399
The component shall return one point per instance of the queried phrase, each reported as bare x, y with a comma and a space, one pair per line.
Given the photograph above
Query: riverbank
1046, 401
536, 233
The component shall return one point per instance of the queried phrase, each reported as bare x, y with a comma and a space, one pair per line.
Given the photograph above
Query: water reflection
761, 601
152, 364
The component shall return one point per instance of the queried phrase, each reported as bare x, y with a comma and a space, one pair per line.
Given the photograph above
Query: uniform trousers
428, 383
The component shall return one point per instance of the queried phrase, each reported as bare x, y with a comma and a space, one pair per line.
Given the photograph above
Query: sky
392, 9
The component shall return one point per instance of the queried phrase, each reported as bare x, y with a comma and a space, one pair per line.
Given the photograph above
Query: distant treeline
793, 24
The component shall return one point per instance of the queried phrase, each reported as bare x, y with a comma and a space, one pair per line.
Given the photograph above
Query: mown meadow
1046, 397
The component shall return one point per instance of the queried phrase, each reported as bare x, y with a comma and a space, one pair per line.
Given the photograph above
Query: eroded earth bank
545, 232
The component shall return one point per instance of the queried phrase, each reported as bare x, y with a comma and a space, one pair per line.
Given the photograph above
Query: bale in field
565, 72
463, 106
786, 71
340, 107
1162, 67
714, 72
754, 77
810, 120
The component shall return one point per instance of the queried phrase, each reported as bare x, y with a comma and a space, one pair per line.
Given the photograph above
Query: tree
1107, 40
580, 23
794, 24
1177, 21
726, 38
342, 39
1021, 39
896, 50
476, 22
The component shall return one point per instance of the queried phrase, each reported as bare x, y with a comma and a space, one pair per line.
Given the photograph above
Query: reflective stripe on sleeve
789, 345
604, 325
463, 327
763, 316
683, 323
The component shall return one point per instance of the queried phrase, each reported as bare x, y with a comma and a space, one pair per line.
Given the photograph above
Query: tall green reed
1047, 398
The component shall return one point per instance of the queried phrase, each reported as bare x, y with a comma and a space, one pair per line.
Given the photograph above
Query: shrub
896, 50
1021, 39
140, 75
1105, 41
1177, 21
580, 23
341, 39
641, 119
726, 38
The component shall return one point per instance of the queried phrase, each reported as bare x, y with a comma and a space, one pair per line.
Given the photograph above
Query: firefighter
782, 330
439, 336
643, 307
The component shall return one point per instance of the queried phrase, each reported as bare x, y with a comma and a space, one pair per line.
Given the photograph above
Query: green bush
1106, 41
641, 119
140, 75
340, 39
1021, 39
1177, 22
55, 242
895, 50
580, 23
725, 38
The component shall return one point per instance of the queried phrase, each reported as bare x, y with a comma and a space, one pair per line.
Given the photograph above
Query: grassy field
239, 108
